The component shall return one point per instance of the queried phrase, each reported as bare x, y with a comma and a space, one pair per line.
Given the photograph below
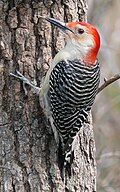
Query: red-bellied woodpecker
70, 86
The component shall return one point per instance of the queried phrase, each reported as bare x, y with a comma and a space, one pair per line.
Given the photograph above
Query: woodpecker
70, 86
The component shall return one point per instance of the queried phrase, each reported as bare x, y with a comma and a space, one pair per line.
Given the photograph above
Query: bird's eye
80, 31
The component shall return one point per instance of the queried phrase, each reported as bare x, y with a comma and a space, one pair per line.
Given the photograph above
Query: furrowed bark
28, 157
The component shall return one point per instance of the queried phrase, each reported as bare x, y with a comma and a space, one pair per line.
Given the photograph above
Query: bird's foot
26, 81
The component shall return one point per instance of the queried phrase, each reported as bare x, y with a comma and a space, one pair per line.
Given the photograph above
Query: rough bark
28, 161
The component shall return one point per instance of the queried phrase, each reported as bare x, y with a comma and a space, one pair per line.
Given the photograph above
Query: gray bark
28, 160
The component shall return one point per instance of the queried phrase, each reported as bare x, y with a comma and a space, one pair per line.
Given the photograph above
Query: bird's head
80, 37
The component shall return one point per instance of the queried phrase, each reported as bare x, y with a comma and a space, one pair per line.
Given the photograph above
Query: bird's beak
61, 25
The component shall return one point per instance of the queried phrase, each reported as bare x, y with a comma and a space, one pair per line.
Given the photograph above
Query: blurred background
105, 15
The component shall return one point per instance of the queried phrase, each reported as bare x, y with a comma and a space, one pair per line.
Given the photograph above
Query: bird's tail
65, 157
61, 158
69, 155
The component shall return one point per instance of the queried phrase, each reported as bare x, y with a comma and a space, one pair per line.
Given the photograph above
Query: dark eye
80, 31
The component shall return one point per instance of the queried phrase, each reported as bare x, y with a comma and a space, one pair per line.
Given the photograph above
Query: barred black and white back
73, 87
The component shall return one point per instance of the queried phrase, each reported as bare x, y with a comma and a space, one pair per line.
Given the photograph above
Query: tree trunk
28, 160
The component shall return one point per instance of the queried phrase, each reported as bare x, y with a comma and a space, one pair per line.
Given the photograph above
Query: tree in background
28, 150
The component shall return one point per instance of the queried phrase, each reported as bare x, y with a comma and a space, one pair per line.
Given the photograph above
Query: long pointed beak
61, 25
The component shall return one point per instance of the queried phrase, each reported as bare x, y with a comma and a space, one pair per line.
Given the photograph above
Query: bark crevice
28, 148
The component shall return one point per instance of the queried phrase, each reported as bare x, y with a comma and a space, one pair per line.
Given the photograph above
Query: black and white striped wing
73, 87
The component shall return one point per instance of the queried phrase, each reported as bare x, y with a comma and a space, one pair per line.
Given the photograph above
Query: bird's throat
88, 57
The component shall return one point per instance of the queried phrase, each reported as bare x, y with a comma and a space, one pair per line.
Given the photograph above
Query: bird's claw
25, 81
22, 78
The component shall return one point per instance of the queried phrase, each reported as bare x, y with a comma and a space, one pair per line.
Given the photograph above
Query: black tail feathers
65, 160
69, 163
61, 158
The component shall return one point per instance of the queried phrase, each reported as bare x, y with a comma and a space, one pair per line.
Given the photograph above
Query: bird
70, 86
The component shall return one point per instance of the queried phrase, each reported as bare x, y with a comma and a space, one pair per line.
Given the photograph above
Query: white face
82, 42
81, 38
